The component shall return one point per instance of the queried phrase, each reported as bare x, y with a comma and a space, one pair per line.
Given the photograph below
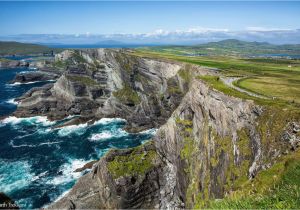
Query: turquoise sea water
37, 161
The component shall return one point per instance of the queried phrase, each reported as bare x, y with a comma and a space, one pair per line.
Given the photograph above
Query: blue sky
197, 20
143, 17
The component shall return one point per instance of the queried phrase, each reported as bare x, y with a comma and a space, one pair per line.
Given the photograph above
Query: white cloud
191, 35
264, 29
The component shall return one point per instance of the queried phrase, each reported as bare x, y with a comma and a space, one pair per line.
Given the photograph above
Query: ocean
37, 160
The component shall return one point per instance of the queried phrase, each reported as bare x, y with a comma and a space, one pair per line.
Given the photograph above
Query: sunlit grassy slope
12, 48
230, 47
278, 79
277, 187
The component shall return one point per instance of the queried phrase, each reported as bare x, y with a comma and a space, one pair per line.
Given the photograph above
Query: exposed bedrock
34, 76
207, 141
112, 83
210, 142
5, 63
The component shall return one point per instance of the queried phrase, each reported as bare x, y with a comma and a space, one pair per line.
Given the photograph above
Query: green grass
11, 48
282, 80
229, 47
83, 79
5, 60
127, 95
138, 162
287, 89
77, 57
275, 188
60, 64
216, 83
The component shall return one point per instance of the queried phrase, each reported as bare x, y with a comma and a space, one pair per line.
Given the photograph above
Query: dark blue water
37, 161
18, 58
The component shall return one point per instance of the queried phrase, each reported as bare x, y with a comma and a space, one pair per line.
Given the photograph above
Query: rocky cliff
208, 143
110, 83
7, 63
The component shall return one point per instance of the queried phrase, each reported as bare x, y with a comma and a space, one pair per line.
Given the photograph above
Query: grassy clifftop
230, 47
277, 79
11, 48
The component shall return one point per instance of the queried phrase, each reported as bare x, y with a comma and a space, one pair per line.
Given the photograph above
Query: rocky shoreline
6, 63
205, 142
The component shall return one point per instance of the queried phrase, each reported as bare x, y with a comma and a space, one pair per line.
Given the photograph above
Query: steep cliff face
108, 83
204, 145
209, 146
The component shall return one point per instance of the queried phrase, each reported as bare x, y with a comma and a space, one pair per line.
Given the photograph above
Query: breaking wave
43, 157
15, 175
28, 120
105, 121
12, 101
68, 172
28, 83
76, 129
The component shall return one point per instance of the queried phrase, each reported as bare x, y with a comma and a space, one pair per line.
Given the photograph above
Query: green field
229, 47
273, 83
17, 48
276, 79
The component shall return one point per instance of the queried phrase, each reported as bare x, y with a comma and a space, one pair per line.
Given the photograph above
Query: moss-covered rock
136, 162
83, 80
127, 95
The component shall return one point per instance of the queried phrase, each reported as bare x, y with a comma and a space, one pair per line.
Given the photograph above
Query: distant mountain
12, 48
237, 44
233, 47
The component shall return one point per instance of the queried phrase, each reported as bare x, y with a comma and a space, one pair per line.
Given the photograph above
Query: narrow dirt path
229, 82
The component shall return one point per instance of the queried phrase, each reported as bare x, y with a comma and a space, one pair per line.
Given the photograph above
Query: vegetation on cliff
277, 188
258, 75
218, 84
83, 79
137, 162
127, 95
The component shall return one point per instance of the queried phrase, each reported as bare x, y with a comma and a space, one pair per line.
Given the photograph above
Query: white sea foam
101, 136
77, 129
25, 202
151, 131
61, 196
104, 135
21, 175
42, 120
12, 101
39, 176
28, 83
68, 173
105, 121
33, 145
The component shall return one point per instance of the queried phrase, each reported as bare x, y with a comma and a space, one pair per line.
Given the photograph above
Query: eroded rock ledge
206, 143
210, 142
110, 83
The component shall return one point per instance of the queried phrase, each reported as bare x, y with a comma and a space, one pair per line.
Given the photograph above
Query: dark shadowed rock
34, 76
6, 202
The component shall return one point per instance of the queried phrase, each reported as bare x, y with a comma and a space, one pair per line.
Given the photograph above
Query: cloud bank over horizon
195, 35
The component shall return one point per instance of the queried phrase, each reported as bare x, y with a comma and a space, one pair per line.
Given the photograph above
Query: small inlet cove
39, 160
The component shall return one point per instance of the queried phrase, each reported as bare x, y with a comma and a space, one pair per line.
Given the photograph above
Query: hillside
17, 48
230, 47
211, 143
258, 75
